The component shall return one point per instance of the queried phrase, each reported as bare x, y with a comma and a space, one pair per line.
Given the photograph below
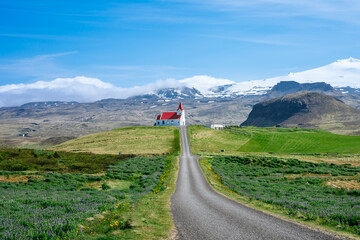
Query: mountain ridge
288, 87
343, 75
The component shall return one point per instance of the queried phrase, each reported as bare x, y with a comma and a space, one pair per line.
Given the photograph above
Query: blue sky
130, 43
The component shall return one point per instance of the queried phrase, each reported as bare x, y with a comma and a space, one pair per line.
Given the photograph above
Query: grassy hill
276, 140
204, 139
128, 140
306, 110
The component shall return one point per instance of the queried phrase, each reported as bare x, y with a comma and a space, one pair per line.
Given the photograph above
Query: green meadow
86, 195
128, 140
235, 140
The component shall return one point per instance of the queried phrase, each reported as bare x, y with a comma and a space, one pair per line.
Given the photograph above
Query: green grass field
76, 195
54, 205
128, 140
204, 139
271, 140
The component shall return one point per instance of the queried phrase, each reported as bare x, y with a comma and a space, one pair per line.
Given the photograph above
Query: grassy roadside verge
150, 215
154, 221
153, 217
215, 182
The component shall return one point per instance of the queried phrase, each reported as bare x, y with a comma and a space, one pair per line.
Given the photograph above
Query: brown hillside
307, 110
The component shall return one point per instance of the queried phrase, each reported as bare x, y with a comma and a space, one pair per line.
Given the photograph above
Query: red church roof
180, 107
168, 115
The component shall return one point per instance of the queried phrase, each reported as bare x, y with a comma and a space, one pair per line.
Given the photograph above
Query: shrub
104, 186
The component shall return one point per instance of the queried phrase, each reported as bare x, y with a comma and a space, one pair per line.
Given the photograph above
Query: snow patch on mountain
339, 74
204, 83
342, 73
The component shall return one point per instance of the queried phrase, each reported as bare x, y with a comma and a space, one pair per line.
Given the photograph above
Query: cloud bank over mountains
80, 89
341, 73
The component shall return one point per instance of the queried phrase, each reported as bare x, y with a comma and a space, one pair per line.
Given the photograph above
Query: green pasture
128, 140
271, 140
76, 193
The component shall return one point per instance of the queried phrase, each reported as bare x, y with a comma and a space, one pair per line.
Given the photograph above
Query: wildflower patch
54, 205
308, 196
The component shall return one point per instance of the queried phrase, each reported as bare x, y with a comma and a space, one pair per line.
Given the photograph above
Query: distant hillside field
276, 140
128, 140
203, 139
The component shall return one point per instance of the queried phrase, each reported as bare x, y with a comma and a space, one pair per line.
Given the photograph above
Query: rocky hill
306, 110
289, 87
347, 95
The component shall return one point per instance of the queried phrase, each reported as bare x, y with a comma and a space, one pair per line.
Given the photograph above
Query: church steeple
180, 107
180, 110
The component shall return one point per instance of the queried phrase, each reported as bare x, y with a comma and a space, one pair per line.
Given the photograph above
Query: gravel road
201, 213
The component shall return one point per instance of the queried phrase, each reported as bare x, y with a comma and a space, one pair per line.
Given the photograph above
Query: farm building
172, 118
217, 126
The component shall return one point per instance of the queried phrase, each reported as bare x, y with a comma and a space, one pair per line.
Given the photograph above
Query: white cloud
85, 89
81, 89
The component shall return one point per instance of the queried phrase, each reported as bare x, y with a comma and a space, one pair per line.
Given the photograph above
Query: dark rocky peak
144, 97
321, 86
289, 87
286, 86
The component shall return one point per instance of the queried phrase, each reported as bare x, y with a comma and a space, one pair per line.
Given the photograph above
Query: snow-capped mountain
196, 87
180, 93
340, 74
171, 93
205, 83
343, 75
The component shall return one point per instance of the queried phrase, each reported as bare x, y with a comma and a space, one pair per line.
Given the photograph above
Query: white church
172, 118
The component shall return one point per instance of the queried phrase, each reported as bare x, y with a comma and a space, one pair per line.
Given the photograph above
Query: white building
217, 126
172, 118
